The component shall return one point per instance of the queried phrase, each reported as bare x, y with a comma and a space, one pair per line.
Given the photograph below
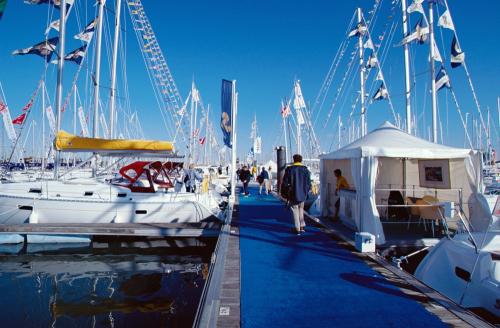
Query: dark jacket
264, 174
245, 175
296, 183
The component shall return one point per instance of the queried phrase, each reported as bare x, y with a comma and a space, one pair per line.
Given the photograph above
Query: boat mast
191, 125
60, 66
433, 72
361, 73
407, 69
100, 19
43, 125
112, 101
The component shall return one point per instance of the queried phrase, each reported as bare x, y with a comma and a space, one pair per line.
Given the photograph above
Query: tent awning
389, 141
65, 141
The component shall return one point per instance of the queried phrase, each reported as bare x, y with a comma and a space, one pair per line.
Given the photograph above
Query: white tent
388, 158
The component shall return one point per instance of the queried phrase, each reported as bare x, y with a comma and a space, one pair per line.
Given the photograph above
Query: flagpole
95, 127
74, 120
112, 101
407, 69
60, 66
433, 73
361, 75
234, 113
191, 123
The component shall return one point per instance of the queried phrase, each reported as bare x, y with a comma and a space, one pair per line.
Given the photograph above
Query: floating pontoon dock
263, 275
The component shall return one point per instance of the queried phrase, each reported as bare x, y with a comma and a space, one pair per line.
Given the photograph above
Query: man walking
245, 179
263, 180
295, 187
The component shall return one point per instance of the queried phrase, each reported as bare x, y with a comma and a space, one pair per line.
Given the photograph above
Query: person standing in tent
295, 187
341, 184
245, 177
263, 180
270, 181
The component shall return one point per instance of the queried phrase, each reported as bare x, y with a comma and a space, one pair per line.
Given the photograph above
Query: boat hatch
141, 212
35, 190
122, 194
88, 193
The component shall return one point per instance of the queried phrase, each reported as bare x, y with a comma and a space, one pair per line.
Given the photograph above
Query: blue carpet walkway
309, 280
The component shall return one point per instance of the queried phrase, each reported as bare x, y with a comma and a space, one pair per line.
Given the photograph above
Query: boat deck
311, 280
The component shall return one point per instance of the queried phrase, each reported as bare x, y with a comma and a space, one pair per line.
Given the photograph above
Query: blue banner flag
227, 111
3, 4
44, 49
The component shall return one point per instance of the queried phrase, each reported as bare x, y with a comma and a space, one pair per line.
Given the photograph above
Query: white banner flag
257, 145
83, 122
298, 101
51, 118
7, 122
300, 117
446, 21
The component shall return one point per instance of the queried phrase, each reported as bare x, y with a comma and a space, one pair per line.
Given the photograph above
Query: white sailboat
143, 192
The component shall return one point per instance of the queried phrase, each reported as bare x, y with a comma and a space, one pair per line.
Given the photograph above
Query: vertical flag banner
226, 111
257, 145
7, 122
51, 118
83, 122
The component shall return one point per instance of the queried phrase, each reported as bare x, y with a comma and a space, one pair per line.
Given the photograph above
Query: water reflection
104, 287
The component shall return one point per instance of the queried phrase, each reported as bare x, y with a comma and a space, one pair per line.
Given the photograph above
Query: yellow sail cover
65, 141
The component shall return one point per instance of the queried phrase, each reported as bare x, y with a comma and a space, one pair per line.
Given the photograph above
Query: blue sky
264, 45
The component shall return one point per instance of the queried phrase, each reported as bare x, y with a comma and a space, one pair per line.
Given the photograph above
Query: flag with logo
416, 6
75, 56
381, 93
442, 79
360, 29
457, 55
419, 34
43, 49
445, 21
88, 32
227, 111
55, 3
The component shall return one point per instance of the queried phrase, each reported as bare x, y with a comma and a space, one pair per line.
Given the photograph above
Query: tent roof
389, 141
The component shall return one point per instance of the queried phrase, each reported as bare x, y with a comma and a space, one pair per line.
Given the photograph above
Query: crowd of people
294, 188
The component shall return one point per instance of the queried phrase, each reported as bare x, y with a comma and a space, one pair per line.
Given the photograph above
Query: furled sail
65, 141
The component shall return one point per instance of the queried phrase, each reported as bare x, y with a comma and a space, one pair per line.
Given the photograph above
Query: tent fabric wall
480, 215
364, 171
